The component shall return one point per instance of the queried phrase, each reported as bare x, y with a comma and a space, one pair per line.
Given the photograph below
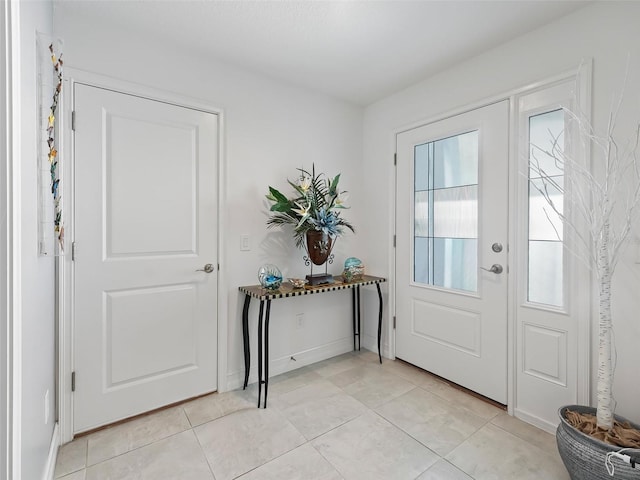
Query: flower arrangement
316, 206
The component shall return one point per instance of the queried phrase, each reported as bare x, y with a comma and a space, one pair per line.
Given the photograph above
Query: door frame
582, 75
65, 279
10, 286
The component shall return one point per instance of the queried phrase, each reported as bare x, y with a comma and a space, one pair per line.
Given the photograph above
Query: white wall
606, 32
36, 326
270, 129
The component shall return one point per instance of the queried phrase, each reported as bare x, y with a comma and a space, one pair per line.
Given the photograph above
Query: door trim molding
11, 291
583, 75
65, 267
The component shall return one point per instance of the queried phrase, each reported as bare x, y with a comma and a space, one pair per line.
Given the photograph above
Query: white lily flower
305, 183
302, 210
342, 199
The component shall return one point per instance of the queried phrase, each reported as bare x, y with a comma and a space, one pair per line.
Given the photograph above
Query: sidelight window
545, 233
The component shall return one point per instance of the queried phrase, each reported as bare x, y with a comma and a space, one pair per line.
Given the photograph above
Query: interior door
145, 216
451, 253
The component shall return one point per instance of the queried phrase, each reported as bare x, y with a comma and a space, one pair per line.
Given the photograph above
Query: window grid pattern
446, 212
545, 282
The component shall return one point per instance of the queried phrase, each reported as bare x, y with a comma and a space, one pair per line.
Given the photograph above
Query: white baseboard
536, 421
50, 467
284, 364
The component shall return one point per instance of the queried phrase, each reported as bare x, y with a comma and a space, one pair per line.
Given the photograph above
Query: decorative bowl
298, 282
270, 277
353, 270
352, 262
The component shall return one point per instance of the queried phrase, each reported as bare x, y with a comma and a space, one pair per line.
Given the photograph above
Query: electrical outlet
300, 320
46, 407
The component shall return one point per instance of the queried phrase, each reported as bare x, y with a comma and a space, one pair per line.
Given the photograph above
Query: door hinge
395, 159
73, 120
394, 322
73, 381
394, 241
73, 251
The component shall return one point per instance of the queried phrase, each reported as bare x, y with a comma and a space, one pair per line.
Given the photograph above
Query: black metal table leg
245, 339
355, 332
266, 353
260, 351
264, 321
358, 295
379, 320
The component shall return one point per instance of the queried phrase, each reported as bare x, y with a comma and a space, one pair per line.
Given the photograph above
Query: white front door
145, 325
452, 212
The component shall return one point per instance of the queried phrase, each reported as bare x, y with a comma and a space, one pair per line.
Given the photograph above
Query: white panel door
452, 208
553, 286
145, 322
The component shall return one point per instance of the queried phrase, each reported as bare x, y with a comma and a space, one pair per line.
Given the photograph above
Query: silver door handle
208, 268
495, 268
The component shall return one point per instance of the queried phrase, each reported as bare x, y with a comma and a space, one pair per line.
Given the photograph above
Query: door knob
495, 268
208, 268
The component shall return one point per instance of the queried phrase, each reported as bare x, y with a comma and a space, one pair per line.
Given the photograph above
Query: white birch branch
605, 204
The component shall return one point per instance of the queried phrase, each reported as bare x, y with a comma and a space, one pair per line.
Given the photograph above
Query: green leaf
281, 218
296, 187
334, 185
280, 207
280, 198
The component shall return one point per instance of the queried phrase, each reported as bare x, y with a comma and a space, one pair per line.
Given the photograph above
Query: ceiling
358, 51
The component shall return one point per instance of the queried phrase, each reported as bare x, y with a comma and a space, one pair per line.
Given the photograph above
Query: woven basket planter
584, 456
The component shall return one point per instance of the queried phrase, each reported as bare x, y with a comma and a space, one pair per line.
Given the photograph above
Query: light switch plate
245, 245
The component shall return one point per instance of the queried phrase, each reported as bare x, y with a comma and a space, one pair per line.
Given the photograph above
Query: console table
286, 290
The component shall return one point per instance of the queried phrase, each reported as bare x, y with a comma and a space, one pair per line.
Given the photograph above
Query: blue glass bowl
270, 277
352, 262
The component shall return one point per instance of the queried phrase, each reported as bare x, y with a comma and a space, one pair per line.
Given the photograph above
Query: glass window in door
546, 183
446, 212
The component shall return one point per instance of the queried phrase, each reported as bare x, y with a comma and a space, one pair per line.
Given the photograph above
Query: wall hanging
49, 81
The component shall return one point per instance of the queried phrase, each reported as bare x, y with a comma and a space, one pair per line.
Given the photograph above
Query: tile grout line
545, 453
278, 456
203, 452
326, 459
56, 477
309, 441
409, 434
138, 448
413, 438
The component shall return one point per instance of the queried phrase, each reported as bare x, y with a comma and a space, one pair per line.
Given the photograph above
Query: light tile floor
344, 418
